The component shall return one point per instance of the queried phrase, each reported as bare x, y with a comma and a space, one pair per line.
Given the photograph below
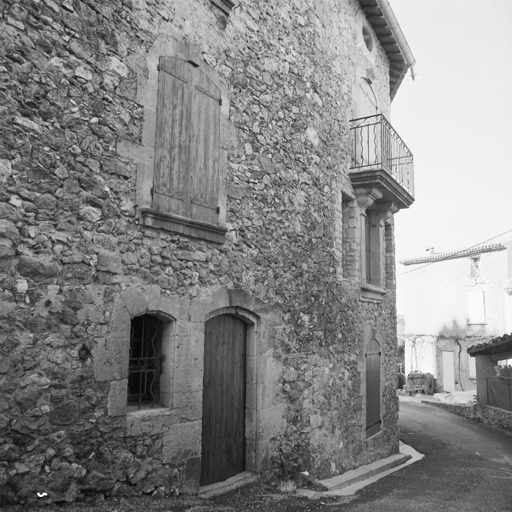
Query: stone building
197, 271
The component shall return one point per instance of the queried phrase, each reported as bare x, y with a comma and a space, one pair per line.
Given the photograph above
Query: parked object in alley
418, 382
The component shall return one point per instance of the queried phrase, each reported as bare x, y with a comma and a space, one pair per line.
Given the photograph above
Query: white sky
456, 118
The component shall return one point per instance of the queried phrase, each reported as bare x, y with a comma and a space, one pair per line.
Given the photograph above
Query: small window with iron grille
145, 363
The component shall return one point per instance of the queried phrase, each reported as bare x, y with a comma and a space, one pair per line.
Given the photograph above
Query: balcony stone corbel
385, 211
366, 197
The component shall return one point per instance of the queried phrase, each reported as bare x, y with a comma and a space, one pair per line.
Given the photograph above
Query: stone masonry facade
83, 252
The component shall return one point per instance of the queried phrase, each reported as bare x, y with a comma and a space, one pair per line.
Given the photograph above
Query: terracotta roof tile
464, 253
493, 345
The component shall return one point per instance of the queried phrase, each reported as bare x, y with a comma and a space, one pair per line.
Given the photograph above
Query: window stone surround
369, 205
143, 154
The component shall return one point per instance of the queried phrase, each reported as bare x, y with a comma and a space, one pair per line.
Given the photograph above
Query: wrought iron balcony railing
376, 146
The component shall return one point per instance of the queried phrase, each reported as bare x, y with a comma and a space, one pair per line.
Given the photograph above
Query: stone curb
351, 481
235, 482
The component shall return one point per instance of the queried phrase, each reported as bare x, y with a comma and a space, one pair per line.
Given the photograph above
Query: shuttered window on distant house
476, 307
187, 143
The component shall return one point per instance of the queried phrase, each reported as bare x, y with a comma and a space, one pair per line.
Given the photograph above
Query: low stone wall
492, 416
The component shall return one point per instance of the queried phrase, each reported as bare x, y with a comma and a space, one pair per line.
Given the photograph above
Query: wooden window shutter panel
373, 359
172, 137
204, 150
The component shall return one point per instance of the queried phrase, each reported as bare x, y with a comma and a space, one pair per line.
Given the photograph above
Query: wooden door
223, 437
373, 419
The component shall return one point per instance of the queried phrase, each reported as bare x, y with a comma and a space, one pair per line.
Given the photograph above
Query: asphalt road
467, 467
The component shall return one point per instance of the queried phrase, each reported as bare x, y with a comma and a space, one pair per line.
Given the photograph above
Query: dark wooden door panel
223, 437
373, 419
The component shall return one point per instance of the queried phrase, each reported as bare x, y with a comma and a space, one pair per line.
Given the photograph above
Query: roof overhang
464, 253
390, 35
500, 345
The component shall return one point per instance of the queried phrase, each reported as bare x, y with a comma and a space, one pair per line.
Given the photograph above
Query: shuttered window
372, 246
476, 307
187, 142
373, 417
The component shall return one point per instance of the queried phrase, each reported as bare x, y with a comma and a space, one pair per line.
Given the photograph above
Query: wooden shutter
476, 307
172, 137
187, 142
205, 149
373, 420
368, 248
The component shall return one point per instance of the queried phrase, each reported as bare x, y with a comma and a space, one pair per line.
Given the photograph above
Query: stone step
363, 472
235, 482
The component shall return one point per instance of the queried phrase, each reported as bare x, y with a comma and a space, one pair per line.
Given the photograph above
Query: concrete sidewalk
352, 481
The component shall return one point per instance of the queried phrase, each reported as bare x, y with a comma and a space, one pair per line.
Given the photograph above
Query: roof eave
380, 16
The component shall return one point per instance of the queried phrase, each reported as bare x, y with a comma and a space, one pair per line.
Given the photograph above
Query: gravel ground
255, 498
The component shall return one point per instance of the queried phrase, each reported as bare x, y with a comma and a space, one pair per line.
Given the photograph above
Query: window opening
367, 37
476, 307
145, 361
372, 249
472, 367
368, 248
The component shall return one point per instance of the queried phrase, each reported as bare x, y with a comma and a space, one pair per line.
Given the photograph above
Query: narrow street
467, 466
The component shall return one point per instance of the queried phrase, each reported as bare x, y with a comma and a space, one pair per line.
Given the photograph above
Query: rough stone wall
71, 242
493, 416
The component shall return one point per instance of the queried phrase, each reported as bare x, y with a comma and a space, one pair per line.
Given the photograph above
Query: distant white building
449, 302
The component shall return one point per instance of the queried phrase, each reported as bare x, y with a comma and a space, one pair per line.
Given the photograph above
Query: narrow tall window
368, 247
145, 362
373, 248
476, 307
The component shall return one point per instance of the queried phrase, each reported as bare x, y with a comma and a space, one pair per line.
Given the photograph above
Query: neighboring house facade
450, 302
196, 242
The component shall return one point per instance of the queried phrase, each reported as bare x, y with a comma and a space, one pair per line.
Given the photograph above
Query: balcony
381, 160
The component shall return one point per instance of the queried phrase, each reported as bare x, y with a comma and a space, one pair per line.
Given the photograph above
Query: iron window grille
145, 361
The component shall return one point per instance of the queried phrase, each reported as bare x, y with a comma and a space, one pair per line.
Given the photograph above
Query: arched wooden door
224, 382
373, 419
